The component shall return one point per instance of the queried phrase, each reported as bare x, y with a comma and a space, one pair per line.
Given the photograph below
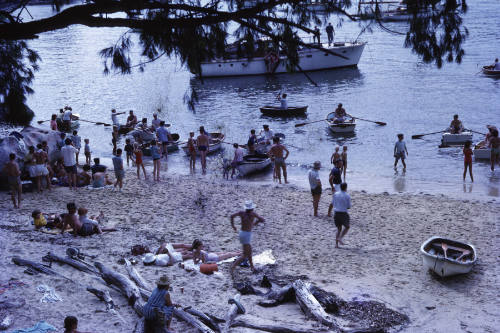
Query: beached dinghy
214, 146
447, 257
345, 127
171, 146
276, 111
482, 153
253, 164
449, 139
488, 70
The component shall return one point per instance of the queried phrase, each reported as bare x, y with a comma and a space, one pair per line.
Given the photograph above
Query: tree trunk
128, 288
310, 305
73, 263
278, 296
230, 315
37, 267
106, 298
183, 315
136, 277
204, 318
267, 325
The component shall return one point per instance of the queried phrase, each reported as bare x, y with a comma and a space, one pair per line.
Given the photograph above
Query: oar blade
301, 124
40, 121
417, 136
381, 123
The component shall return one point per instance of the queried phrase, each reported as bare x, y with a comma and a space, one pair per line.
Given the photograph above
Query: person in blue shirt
159, 305
341, 202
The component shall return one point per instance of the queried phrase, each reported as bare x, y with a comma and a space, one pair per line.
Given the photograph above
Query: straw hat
249, 205
149, 258
163, 281
317, 165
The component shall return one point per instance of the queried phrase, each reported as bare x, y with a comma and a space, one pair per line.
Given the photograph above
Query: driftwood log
278, 296
106, 298
267, 325
183, 315
136, 277
205, 319
41, 268
310, 305
71, 262
231, 314
128, 288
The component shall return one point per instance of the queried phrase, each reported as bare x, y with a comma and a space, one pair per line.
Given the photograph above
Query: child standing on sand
87, 151
118, 166
192, 150
77, 143
138, 160
399, 151
155, 154
468, 159
129, 149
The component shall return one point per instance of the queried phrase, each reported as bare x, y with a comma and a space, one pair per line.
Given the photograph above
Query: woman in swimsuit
336, 156
343, 155
155, 154
201, 255
468, 159
138, 160
192, 150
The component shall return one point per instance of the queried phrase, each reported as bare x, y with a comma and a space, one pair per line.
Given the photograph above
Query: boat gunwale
450, 260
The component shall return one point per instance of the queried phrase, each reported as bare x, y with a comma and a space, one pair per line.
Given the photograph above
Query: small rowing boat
449, 139
337, 127
276, 111
447, 257
481, 152
214, 145
262, 146
171, 146
253, 164
488, 70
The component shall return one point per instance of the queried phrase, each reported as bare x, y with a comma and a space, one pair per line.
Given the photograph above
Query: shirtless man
11, 168
456, 126
276, 151
247, 223
131, 119
203, 143
495, 149
79, 228
340, 114
41, 170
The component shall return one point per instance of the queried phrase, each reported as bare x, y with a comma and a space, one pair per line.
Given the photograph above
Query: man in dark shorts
342, 202
11, 168
315, 183
68, 153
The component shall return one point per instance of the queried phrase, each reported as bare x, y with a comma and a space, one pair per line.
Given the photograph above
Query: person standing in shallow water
468, 159
203, 143
247, 223
400, 152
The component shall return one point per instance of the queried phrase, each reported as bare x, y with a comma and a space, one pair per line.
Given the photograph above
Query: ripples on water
390, 84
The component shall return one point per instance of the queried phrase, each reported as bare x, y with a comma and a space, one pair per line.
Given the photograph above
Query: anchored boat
311, 59
448, 257
488, 70
253, 163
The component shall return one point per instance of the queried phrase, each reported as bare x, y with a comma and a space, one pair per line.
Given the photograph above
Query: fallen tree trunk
183, 315
267, 325
136, 277
231, 314
37, 267
204, 318
310, 305
71, 262
106, 298
128, 288
278, 296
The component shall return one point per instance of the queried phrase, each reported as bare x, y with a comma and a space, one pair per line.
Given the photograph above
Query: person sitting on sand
94, 220
83, 229
456, 126
71, 325
159, 308
209, 257
46, 220
84, 178
248, 216
11, 168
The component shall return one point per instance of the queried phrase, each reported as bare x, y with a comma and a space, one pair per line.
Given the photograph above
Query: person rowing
456, 126
283, 101
340, 114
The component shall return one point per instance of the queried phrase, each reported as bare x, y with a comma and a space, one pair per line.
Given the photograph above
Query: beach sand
380, 260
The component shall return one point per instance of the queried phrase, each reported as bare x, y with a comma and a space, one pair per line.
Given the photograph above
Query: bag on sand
138, 250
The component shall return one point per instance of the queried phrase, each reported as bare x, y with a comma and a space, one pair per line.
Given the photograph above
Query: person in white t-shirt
496, 65
155, 123
283, 101
68, 153
400, 151
238, 158
315, 183
66, 118
266, 134
114, 117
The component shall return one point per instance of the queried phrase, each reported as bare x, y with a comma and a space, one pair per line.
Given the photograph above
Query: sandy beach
380, 260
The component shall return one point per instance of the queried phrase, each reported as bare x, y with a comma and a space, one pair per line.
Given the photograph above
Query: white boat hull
310, 60
456, 139
482, 153
342, 128
247, 168
212, 149
446, 266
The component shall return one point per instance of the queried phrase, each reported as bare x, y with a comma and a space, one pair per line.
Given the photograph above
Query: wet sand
380, 260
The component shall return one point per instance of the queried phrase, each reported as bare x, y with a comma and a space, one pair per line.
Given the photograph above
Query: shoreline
380, 261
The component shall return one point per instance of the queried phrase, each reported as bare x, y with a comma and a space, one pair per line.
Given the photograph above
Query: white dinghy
449, 139
447, 257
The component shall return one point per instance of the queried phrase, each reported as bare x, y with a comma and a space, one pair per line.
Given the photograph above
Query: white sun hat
249, 205
149, 258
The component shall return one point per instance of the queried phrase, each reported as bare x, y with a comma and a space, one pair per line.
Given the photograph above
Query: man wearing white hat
247, 223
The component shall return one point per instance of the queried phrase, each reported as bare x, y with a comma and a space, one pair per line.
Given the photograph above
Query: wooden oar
418, 136
474, 131
230, 143
95, 122
381, 123
42, 121
311, 122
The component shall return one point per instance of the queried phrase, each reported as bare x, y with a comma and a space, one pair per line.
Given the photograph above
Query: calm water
390, 84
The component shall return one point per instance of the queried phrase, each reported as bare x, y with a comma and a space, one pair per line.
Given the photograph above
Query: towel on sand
40, 327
